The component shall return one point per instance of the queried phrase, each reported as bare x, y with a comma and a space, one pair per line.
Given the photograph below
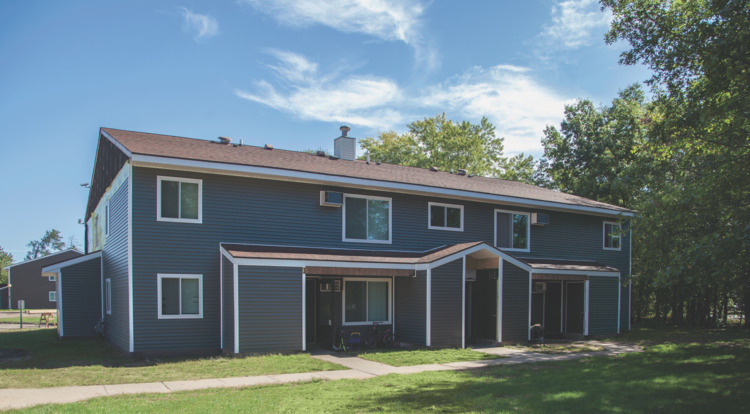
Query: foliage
6, 259
593, 153
44, 361
439, 142
665, 378
52, 241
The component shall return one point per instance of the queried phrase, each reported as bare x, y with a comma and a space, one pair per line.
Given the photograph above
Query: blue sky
287, 73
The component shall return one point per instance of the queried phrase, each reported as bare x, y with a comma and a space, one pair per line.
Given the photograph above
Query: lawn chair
47, 318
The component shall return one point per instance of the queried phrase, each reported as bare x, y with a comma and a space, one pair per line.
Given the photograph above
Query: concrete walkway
358, 369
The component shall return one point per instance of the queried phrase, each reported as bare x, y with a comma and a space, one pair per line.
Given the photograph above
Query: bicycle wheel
371, 342
395, 342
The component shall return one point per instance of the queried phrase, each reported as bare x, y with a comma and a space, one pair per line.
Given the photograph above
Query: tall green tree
696, 212
450, 146
52, 241
6, 259
594, 152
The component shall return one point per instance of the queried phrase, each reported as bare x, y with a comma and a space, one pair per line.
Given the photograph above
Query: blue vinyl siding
115, 267
228, 295
249, 210
270, 309
411, 308
602, 305
445, 322
515, 304
81, 287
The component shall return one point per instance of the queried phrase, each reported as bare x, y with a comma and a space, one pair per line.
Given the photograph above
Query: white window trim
447, 206
52, 278
161, 276
390, 219
161, 178
528, 230
604, 235
108, 296
106, 220
52, 295
367, 322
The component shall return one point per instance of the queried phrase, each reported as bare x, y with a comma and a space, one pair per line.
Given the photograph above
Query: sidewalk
358, 369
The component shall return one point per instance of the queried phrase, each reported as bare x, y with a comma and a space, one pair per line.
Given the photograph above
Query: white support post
619, 302
304, 305
463, 303
236, 309
221, 300
499, 313
429, 307
586, 308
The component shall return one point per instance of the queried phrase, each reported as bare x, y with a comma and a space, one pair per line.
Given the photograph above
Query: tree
439, 142
51, 241
6, 259
694, 212
594, 152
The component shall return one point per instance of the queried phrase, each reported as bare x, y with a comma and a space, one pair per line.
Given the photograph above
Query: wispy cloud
574, 23
510, 96
385, 19
201, 26
358, 100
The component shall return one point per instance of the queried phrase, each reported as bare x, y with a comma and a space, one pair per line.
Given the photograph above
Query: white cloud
358, 100
385, 19
202, 26
509, 96
515, 102
574, 23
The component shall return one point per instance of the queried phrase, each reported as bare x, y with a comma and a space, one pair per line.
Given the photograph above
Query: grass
680, 371
564, 348
36, 358
30, 319
402, 357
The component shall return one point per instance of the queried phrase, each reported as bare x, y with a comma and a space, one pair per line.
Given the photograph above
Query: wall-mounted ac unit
540, 287
331, 198
540, 219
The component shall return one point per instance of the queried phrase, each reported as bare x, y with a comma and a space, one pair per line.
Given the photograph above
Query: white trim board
151, 161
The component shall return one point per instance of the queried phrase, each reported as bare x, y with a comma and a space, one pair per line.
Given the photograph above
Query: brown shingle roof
255, 251
574, 265
212, 151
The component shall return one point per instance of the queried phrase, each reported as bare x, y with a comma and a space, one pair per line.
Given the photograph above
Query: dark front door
484, 307
310, 309
574, 319
537, 309
553, 309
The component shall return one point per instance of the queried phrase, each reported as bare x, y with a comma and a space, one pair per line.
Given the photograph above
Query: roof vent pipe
367, 155
344, 147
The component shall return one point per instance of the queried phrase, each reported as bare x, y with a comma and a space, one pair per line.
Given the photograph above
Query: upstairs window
179, 199
180, 296
512, 230
612, 235
446, 217
367, 219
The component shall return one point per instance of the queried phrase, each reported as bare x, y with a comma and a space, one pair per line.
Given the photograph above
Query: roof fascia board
152, 161
116, 143
483, 246
574, 272
43, 257
71, 262
321, 263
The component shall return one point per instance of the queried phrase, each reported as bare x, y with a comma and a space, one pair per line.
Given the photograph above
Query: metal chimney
344, 146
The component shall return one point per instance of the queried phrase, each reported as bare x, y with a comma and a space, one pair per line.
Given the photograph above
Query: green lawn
36, 358
403, 357
701, 371
30, 319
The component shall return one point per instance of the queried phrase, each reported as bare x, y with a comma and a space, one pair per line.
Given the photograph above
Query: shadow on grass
41, 349
668, 378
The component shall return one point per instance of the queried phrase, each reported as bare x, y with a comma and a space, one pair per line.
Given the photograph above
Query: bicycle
388, 339
339, 345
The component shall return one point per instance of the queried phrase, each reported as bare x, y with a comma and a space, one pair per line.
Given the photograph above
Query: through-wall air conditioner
540, 219
540, 287
331, 198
